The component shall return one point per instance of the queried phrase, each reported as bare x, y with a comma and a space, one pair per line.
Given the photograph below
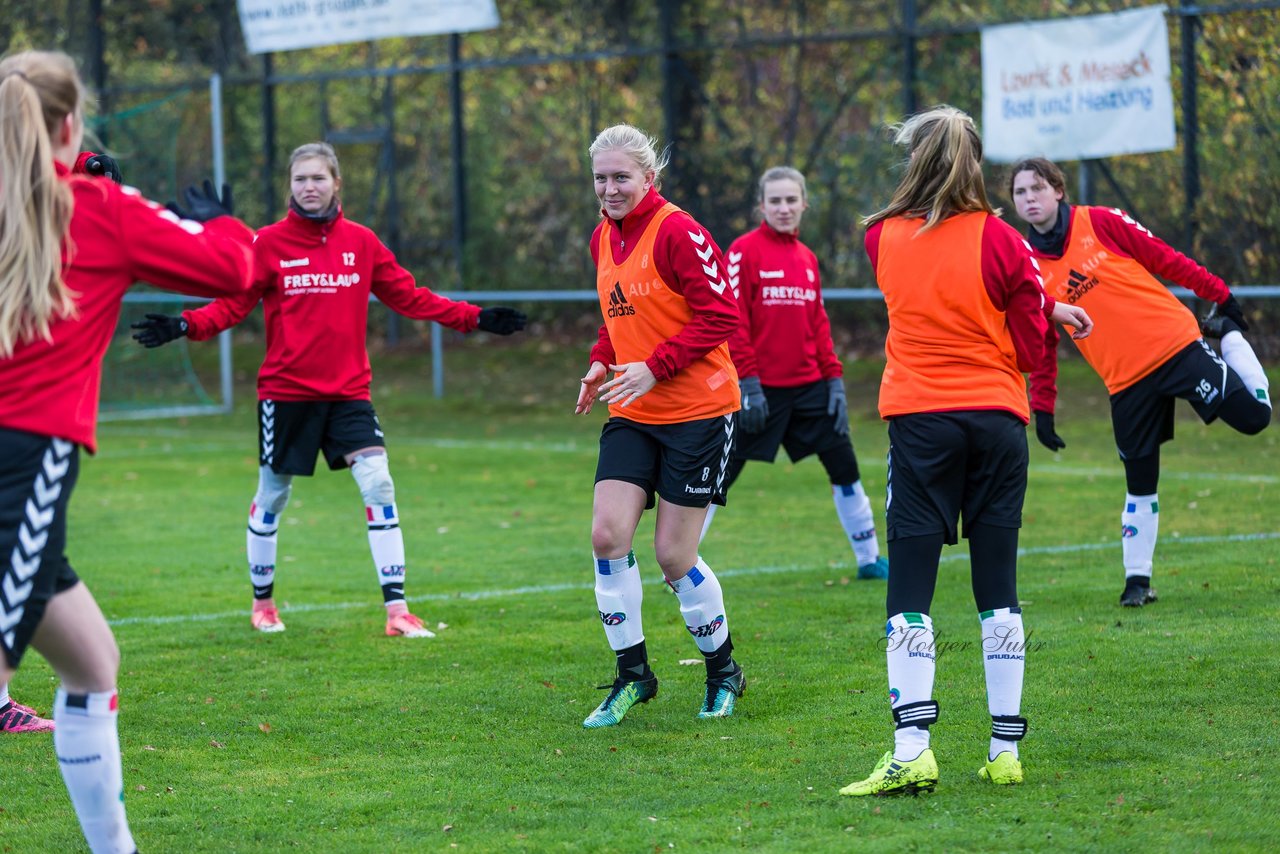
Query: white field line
247, 444
540, 589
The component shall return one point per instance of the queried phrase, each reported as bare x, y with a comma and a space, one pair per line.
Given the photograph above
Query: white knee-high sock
1240, 357
1139, 527
619, 595
260, 545
909, 650
1004, 659
4, 693
386, 544
88, 749
706, 523
853, 508
702, 606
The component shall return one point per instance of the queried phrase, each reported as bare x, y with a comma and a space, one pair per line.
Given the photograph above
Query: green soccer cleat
723, 693
623, 695
878, 569
1004, 770
892, 777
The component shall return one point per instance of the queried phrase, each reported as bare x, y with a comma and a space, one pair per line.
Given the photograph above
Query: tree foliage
735, 86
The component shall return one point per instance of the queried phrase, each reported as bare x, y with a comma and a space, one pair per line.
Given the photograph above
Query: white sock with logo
1139, 526
910, 652
619, 594
386, 544
1240, 357
853, 508
260, 545
87, 745
702, 606
1004, 660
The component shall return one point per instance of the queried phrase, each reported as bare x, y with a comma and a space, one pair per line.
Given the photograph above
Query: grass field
1151, 729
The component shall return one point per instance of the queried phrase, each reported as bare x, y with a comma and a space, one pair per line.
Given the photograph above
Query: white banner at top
1074, 89
270, 25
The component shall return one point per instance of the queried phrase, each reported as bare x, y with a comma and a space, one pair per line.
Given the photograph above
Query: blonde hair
637, 145
38, 90
321, 150
782, 173
944, 174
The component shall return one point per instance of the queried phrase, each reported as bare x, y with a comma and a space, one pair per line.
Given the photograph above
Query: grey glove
838, 405
755, 407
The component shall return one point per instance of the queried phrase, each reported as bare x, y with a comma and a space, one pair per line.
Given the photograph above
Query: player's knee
373, 475
1255, 419
273, 490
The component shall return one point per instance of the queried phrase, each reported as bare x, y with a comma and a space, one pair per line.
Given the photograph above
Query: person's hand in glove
203, 204
101, 164
501, 320
1232, 311
755, 407
838, 405
1046, 432
158, 329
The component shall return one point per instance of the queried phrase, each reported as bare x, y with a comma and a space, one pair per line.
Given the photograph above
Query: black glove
501, 320
203, 205
159, 329
1045, 432
101, 164
838, 405
755, 407
1231, 310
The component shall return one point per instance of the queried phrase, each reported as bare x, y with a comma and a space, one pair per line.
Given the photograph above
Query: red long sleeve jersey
784, 334
1126, 237
314, 279
116, 238
699, 280
1012, 280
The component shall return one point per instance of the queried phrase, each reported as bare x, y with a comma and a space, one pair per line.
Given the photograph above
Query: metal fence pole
1190, 126
909, 69
220, 178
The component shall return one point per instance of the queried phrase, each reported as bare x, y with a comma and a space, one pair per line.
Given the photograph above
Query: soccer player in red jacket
668, 313
14, 716
792, 381
313, 273
74, 245
1148, 347
967, 317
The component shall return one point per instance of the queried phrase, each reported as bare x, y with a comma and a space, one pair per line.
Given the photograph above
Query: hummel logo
618, 305
297, 262
33, 534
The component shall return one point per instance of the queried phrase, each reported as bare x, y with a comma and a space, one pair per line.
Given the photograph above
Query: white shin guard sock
1239, 356
88, 749
260, 545
619, 595
1139, 527
909, 651
386, 544
1004, 648
853, 508
702, 606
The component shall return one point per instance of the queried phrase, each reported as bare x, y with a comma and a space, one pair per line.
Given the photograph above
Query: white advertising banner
1075, 89
271, 25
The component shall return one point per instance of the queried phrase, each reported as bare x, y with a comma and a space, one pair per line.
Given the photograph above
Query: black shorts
1142, 414
685, 463
944, 465
292, 432
37, 475
798, 421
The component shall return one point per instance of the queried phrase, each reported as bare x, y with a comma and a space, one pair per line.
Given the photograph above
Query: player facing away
668, 314
14, 716
72, 246
1104, 261
792, 381
313, 273
967, 316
